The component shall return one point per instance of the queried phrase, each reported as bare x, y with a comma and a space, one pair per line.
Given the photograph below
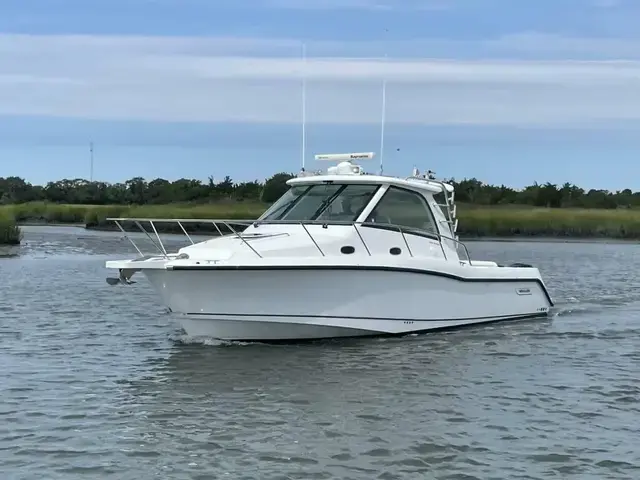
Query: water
97, 382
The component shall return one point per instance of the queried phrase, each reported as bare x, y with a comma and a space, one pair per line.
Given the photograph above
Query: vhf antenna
384, 108
304, 102
384, 114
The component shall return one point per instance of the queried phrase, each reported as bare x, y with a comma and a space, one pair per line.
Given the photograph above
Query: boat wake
184, 339
575, 307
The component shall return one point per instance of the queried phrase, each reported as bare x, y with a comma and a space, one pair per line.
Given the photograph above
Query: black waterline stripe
329, 317
362, 268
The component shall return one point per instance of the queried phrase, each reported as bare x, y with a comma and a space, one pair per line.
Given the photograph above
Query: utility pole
91, 154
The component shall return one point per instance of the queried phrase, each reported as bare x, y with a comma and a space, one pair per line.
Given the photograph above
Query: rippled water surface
97, 382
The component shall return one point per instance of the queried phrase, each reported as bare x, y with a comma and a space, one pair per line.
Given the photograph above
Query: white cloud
200, 79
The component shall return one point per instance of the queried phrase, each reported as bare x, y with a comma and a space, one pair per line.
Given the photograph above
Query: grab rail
246, 223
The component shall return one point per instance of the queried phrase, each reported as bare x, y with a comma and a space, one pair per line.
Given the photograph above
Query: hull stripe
229, 316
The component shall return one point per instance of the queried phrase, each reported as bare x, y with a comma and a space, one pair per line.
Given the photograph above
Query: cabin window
284, 203
311, 202
348, 204
404, 208
323, 202
441, 200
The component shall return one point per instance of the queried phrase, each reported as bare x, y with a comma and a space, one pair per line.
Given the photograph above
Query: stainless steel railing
228, 224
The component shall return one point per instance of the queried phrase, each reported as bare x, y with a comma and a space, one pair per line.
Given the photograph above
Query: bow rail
228, 225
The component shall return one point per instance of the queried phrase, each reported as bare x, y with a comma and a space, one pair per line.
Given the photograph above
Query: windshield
327, 202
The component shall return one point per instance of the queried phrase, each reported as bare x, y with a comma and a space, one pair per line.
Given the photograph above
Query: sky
507, 91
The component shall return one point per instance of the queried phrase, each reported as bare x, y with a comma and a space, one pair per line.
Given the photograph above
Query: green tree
15, 190
275, 187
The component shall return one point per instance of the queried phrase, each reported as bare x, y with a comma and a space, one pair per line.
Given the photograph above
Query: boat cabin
419, 207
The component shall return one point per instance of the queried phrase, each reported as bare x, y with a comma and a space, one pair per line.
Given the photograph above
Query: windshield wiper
326, 203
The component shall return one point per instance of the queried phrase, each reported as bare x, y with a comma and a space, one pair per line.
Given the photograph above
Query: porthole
347, 249
395, 251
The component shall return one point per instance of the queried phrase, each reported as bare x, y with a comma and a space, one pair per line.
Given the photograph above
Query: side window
404, 208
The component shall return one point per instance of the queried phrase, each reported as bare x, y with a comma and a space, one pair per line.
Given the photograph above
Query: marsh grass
10, 233
475, 221
95, 216
550, 222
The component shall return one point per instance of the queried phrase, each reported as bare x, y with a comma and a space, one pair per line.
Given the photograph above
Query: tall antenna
91, 155
384, 114
304, 101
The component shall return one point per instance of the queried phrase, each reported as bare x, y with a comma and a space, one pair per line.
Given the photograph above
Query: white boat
340, 254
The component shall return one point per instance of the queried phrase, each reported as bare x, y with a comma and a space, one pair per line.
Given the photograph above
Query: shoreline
52, 224
558, 225
542, 239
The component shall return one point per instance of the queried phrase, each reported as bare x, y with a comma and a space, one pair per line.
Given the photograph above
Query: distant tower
91, 155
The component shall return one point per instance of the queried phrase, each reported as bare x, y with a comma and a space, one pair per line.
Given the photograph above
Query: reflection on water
9, 251
98, 381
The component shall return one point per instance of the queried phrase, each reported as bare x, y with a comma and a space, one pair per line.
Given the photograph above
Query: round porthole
347, 249
395, 251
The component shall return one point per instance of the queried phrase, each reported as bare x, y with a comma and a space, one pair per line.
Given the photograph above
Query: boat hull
259, 329
296, 303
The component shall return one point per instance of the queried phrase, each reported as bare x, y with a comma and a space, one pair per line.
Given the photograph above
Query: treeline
138, 191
